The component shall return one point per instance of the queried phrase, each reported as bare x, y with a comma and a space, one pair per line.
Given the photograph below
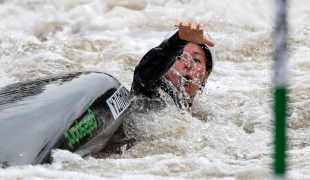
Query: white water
39, 38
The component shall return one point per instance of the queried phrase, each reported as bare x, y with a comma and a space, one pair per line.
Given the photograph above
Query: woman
178, 67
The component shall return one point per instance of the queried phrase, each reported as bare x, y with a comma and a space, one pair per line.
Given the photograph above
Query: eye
196, 60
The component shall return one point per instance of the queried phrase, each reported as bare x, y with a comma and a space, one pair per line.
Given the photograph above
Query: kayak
78, 112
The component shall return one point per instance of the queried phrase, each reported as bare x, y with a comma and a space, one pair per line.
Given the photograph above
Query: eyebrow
197, 53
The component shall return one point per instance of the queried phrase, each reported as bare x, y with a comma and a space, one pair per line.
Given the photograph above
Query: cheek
199, 74
174, 72
178, 66
172, 76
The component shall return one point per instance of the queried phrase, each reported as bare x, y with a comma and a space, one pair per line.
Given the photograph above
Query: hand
192, 31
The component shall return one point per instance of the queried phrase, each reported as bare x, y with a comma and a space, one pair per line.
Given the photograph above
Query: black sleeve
155, 64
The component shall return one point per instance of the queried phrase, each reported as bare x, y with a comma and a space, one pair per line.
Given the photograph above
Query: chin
192, 89
190, 92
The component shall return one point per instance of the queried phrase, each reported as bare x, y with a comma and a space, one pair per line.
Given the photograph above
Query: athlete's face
189, 70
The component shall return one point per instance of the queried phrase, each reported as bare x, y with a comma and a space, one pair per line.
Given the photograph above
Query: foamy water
234, 139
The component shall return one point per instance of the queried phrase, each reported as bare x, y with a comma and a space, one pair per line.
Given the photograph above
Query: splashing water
234, 138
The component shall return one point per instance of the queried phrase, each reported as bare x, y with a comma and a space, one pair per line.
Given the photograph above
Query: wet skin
188, 73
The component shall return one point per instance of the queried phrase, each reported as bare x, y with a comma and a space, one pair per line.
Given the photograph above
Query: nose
188, 63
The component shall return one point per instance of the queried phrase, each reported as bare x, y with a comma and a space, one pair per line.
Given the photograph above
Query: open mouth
187, 78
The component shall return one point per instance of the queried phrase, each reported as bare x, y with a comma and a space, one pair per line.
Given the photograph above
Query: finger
190, 23
208, 41
193, 25
197, 26
200, 26
177, 24
184, 24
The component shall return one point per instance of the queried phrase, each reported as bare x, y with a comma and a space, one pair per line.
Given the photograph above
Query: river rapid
234, 139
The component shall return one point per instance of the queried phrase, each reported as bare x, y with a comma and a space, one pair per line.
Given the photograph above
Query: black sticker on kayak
119, 101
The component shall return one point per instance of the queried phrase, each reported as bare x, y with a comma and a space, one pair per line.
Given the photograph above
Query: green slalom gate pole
280, 83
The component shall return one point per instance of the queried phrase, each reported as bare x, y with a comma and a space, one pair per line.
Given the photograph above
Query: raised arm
155, 64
